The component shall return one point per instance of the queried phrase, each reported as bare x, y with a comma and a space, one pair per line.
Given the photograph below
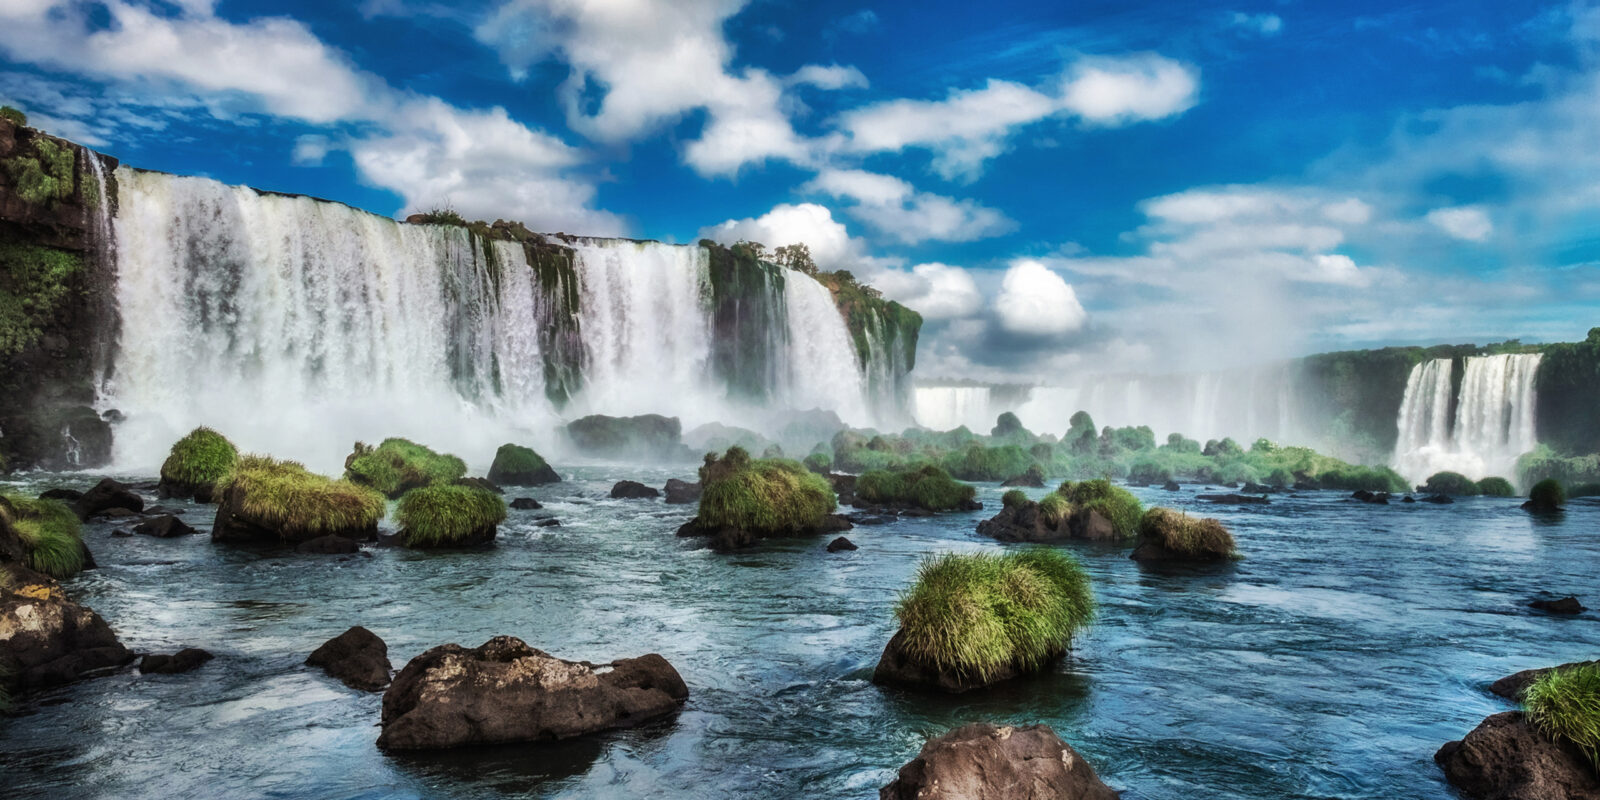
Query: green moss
927, 487
1149, 469
445, 515
1564, 704
1116, 504
1548, 493
1453, 483
1016, 498
35, 284
1372, 479
1235, 472
977, 614
818, 462
1496, 487
767, 497
199, 459
1542, 462
299, 504
46, 177
399, 465
1183, 535
15, 116
520, 466
51, 533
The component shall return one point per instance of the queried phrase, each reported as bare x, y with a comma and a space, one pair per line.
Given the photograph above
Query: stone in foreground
356, 657
1504, 758
985, 762
633, 490
47, 640
506, 691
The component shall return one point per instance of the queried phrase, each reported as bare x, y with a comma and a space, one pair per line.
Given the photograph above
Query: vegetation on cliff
35, 283
44, 174
1564, 704
1567, 415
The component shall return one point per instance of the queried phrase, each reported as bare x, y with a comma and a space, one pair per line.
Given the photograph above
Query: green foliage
767, 497
1453, 483
1184, 535
1372, 479
15, 116
440, 215
1584, 490
1279, 478
1543, 462
979, 463
1568, 417
51, 533
399, 465
1177, 443
977, 614
927, 487
796, 257
35, 283
1054, 509
1133, 439
1548, 493
1235, 472
444, 515
1149, 469
44, 178
300, 504
819, 463
200, 459
1116, 504
1564, 704
1496, 487
1016, 498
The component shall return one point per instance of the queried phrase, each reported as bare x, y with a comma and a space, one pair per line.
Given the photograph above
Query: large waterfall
1478, 430
299, 326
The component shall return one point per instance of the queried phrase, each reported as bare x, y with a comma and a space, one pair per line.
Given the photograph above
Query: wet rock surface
1504, 758
185, 660
357, 657
984, 762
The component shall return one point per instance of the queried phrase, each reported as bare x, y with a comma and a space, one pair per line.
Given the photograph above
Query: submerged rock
1025, 523
526, 504
329, 545
1504, 758
1565, 605
841, 543
1233, 499
64, 495
633, 490
356, 657
984, 762
506, 691
106, 496
1032, 479
47, 640
548, 523
165, 526
1171, 486
1375, 498
189, 658
681, 492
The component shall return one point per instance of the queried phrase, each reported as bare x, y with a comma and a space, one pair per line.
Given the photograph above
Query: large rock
107, 495
649, 436
898, 668
984, 762
681, 492
727, 538
185, 660
1511, 686
1504, 758
506, 691
165, 526
1024, 523
357, 657
47, 640
633, 490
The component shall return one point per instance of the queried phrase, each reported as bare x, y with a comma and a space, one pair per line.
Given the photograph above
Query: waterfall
944, 408
821, 369
1493, 420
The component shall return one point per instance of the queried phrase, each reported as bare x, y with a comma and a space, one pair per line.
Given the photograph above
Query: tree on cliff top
796, 257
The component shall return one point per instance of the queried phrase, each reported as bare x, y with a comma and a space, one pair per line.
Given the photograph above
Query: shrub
200, 459
444, 515
1496, 487
765, 497
818, 462
1450, 483
439, 215
1016, 498
978, 614
1054, 509
1186, 536
1548, 494
926, 487
1372, 479
1236, 472
516, 465
1149, 469
15, 116
979, 463
38, 282
297, 503
399, 465
1116, 504
1279, 478
1564, 704
50, 532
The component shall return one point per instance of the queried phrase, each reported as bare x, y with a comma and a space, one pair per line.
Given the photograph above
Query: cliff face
57, 306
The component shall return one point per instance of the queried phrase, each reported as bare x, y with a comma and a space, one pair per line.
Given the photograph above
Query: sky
1057, 187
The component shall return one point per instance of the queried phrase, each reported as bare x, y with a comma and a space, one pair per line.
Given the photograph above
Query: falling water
1243, 404
822, 369
943, 408
1493, 422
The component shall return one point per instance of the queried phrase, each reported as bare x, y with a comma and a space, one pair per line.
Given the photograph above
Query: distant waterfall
1479, 431
944, 408
1243, 404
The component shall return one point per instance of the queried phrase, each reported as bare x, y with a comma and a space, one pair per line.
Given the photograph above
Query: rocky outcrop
897, 668
1373, 498
1232, 499
165, 526
1512, 686
727, 538
47, 640
1504, 758
649, 436
106, 496
1024, 523
680, 493
984, 762
506, 691
633, 490
1564, 605
357, 657
185, 660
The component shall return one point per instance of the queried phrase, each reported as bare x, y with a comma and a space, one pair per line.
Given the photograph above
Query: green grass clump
1564, 704
927, 487
14, 115
818, 462
299, 504
1149, 469
1235, 472
1496, 487
443, 515
1453, 483
1373, 479
767, 497
1183, 535
440, 215
977, 614
50, 531
1054, 509
978, 463
200, 459
399, 465
1548, 494
1016, 498
1116, 504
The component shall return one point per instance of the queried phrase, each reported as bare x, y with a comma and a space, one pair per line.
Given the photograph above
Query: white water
822, 368
1493, 422
1243, 404
944, 408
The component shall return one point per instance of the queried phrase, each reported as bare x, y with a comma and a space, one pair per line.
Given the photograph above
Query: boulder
1030, 479
984, 762
1256, 488
506, 691
649, 436
526, 504
189, 658
64, 495
1171, 486
681, 492
841, 543
165, 526
897, 668
47, 640
329, 545
1024, 523
356, 657
1438, 499
633, 490
1511, 686
107, 495
1565, 605
1408, 499
548, 523
1375, 498
728, 538
1233, 499
1504, 758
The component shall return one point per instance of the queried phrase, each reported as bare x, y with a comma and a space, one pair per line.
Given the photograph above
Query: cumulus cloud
805, 223
832, 76
1261, 24
936, 291
893, 206
1035, 301
1469, 223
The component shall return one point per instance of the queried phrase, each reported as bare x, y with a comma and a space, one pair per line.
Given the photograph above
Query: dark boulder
548, 523
1233, 499
841, 543
1257, 488
106, 496
1029, 479
1438, 499
1565, 605
896, 667
649, 436
357, 657
1171, 486
681, 492
329, 545
1306, 486
47, 640
1504, 758
506, 691
984, 762
165, 526
1511, 686
1025, 523
633, 490
1408, 499
526, 504
64, 495
1374, 498
189, 658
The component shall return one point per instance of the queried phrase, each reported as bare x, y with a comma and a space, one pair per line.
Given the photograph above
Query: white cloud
310, 150
1120, 91
937, 291
1263, 24
891, 205
1035, 301
831, 77
804, 223
1470, 223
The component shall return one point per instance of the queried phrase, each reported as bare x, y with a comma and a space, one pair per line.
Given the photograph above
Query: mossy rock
928, 488
397, 466
49, 533
645, 436
1564, 705
1546, 497
1451, 483
1496, 487
1167, 535
195, 464
743, 500
449, 516
263, 499
515, 465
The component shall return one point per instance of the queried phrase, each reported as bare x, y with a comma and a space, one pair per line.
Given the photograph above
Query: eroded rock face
356, 657
506, 691
682, 492
985, 762
47, 640
1504, 758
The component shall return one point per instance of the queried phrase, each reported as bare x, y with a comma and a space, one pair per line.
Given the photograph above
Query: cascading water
1493, 419
821, 366
944, 408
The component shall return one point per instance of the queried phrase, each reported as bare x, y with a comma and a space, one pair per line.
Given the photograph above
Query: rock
727, 538
1511, 686
328, 545
356, 657
526, 504
165, 526
1408, 499
1171, 486
107, 495
506, 691
681, 492
480, 483
1438, 499
548, 523
841, 543
1032, 480
1504, 758
897, 668
1089, 525
1233, 499
64, 495
633, 490
121, 534
1306, 486
47, 640
1024, 523
984, 762
1565, 605
649, 436
189, 658
1256, 488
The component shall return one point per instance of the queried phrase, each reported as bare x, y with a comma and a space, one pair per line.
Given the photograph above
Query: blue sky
1056, 186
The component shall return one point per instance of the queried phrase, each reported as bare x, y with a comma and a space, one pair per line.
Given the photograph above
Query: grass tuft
1116, 504
283, 495
976, 614
400, 465
50, 531
1452, 483
927, 487
767, 497
1016, 498
1188, 536
200, 459
440, 516
1564, 704
1496, 487
1054, 509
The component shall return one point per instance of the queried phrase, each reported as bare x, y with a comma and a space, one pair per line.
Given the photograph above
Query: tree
796, 257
